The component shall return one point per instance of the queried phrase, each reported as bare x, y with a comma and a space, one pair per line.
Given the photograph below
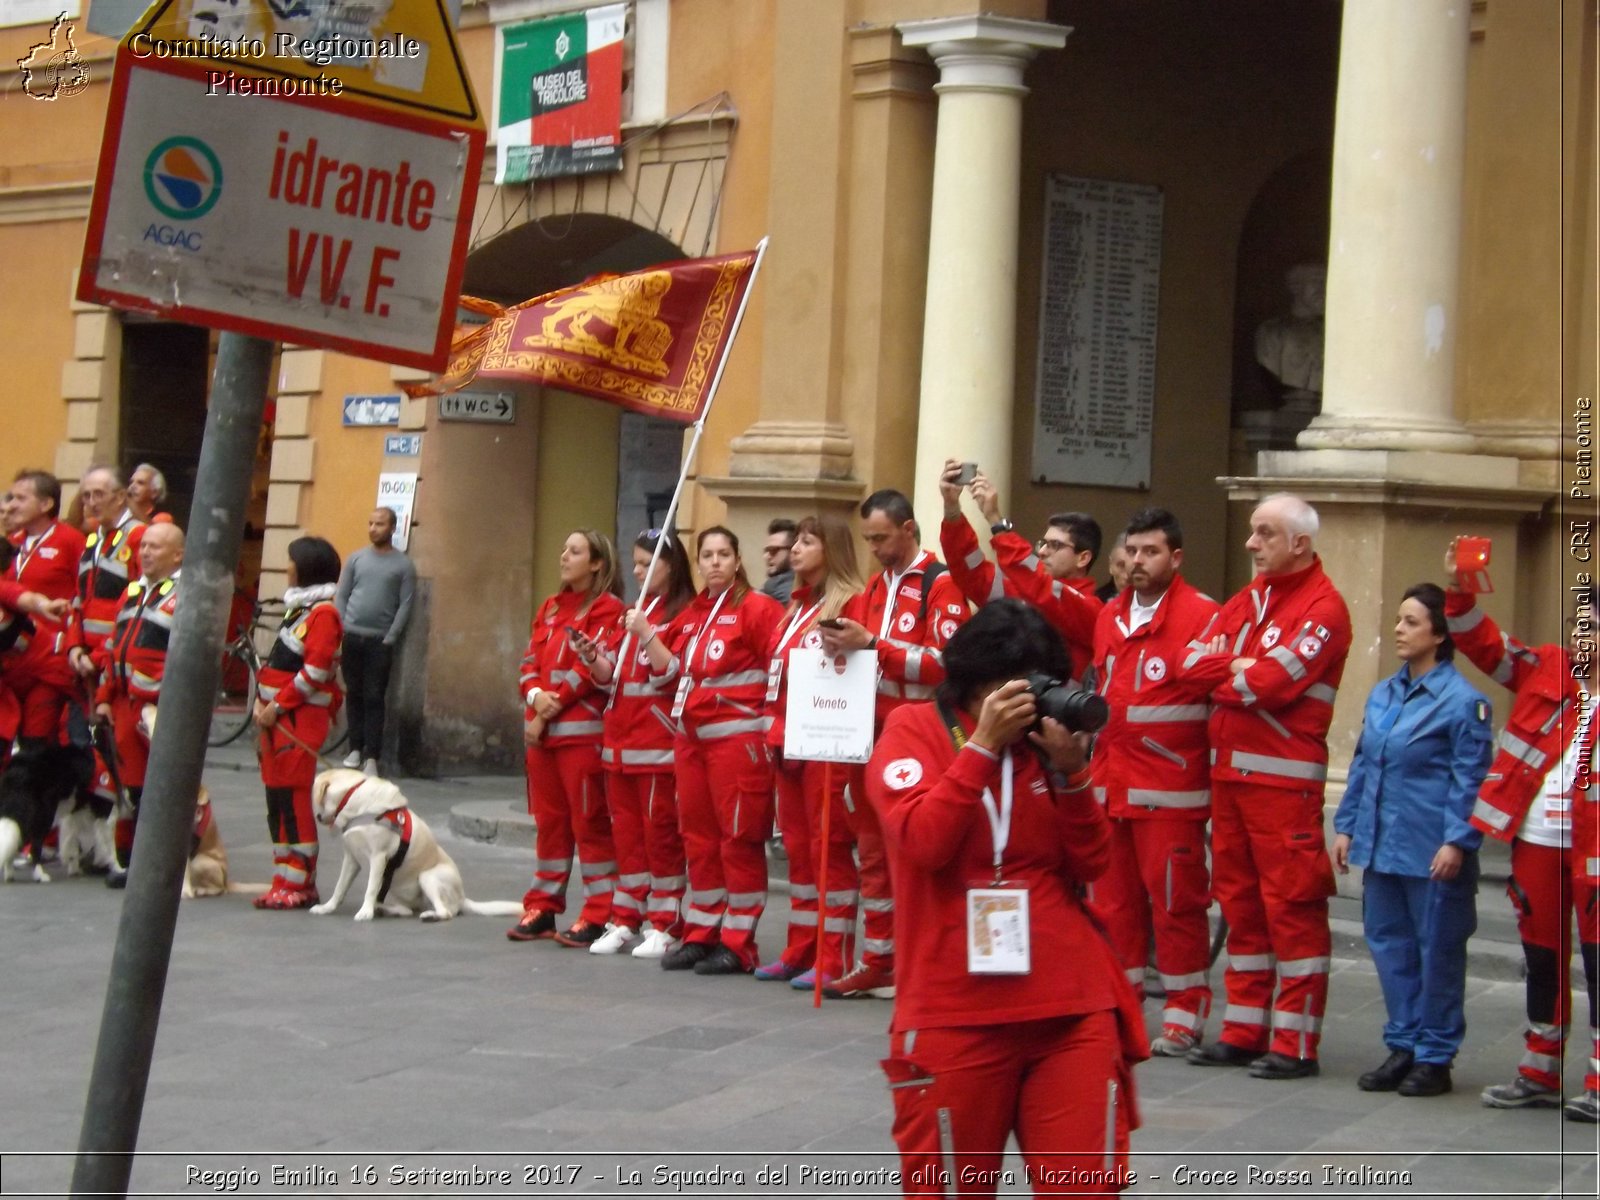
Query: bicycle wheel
236, 692
1219, 940
338, 734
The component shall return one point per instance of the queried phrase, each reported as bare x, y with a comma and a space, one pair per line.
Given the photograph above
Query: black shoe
1426, 1079
116, 879
721, 961
533, 927
686, 956
1585, 1107
1387, 1077
1221, 1054
1273, 1065
584, 933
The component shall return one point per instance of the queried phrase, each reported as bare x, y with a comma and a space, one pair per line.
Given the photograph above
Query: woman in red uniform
562, 727
637, 754
296, 694
716, 651
826, 580
1011, 1013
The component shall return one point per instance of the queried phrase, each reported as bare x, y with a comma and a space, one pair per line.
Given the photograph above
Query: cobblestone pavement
414, 1060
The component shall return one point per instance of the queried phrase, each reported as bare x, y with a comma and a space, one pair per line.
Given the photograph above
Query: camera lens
1079, 709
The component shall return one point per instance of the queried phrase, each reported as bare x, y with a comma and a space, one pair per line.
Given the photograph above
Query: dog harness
398, 819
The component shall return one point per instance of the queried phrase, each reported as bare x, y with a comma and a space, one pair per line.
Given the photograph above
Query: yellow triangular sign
395, 54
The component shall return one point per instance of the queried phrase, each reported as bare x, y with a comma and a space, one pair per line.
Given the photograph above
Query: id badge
774, 680
998, 937
681, 698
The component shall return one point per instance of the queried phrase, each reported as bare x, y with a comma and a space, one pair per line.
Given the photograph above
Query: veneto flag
561, 96
650, 340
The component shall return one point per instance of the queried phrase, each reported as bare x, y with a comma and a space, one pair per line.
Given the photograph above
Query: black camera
1079, 709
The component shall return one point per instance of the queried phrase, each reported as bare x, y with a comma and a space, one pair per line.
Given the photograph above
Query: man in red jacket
1538, 796
1152, 769
132, 662
909, 611
1275, 668
1055, 580
46, 562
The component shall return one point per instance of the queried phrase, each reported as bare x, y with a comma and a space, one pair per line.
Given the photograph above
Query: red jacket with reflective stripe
50, 568
134, 658
303, 665
910, 664
552, 665
1270, 722
1070, 605
639, 726
1153, 758
107, 566
727, 663
1543, 721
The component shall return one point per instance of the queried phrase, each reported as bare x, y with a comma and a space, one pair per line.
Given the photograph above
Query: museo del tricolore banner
561, 96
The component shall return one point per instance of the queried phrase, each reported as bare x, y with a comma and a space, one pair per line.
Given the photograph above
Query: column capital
982, 52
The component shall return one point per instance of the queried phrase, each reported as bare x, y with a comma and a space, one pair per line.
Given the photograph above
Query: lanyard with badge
775, 667
892, 583
28, 549
998, 938
684, 681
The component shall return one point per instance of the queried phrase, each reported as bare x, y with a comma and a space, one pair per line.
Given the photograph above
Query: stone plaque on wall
1094, 397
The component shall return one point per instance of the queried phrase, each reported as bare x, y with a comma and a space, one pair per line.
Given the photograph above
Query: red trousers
1157, 879
1058, 1084
800, 801
1272, 875
567, 797
877, 893
650, 863
725, 812
133, 760
1546, 897
42, 685
287, 771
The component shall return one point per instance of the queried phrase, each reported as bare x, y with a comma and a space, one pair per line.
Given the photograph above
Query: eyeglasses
1050, 545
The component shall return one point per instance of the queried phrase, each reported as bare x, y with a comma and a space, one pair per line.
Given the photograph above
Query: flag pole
700, 423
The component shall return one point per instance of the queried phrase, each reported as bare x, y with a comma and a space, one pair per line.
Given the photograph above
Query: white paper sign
830, 707
398, 491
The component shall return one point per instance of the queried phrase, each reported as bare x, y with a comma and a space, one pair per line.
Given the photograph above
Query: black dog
36, 784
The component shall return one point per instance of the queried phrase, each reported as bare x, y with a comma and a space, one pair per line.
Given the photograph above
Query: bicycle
236, 686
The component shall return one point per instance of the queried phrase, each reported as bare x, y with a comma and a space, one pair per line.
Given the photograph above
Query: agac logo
53, 69
183, 178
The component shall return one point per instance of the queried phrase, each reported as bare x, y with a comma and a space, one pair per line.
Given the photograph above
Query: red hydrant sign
258, 194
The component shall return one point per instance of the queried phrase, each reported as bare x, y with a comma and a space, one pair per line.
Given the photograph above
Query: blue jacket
1425, 747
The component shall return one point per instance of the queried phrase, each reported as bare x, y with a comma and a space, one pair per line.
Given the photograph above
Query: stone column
969, 346
1395, 231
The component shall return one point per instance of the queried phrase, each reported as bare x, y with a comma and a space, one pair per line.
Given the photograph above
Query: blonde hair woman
826, 579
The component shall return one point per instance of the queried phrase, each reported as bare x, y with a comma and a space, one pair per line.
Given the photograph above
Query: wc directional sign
495, 408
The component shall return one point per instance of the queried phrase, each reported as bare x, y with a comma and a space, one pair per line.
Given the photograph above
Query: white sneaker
613, 939
655, 945
353, 760
370, 768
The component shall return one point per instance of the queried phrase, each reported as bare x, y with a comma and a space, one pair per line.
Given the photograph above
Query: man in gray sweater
374, 601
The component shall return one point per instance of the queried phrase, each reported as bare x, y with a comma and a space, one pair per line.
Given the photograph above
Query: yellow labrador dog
408, 872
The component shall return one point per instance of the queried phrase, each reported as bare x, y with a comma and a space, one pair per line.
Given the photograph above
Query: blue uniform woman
1424, 748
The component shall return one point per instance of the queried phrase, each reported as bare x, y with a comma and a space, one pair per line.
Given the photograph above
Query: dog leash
277, 727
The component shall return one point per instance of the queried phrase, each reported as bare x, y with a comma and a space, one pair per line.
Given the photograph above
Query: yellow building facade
926, 174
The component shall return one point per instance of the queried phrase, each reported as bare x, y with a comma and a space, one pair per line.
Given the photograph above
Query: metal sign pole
132, 1013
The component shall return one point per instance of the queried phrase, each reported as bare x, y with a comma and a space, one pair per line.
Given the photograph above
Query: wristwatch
1003, 525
